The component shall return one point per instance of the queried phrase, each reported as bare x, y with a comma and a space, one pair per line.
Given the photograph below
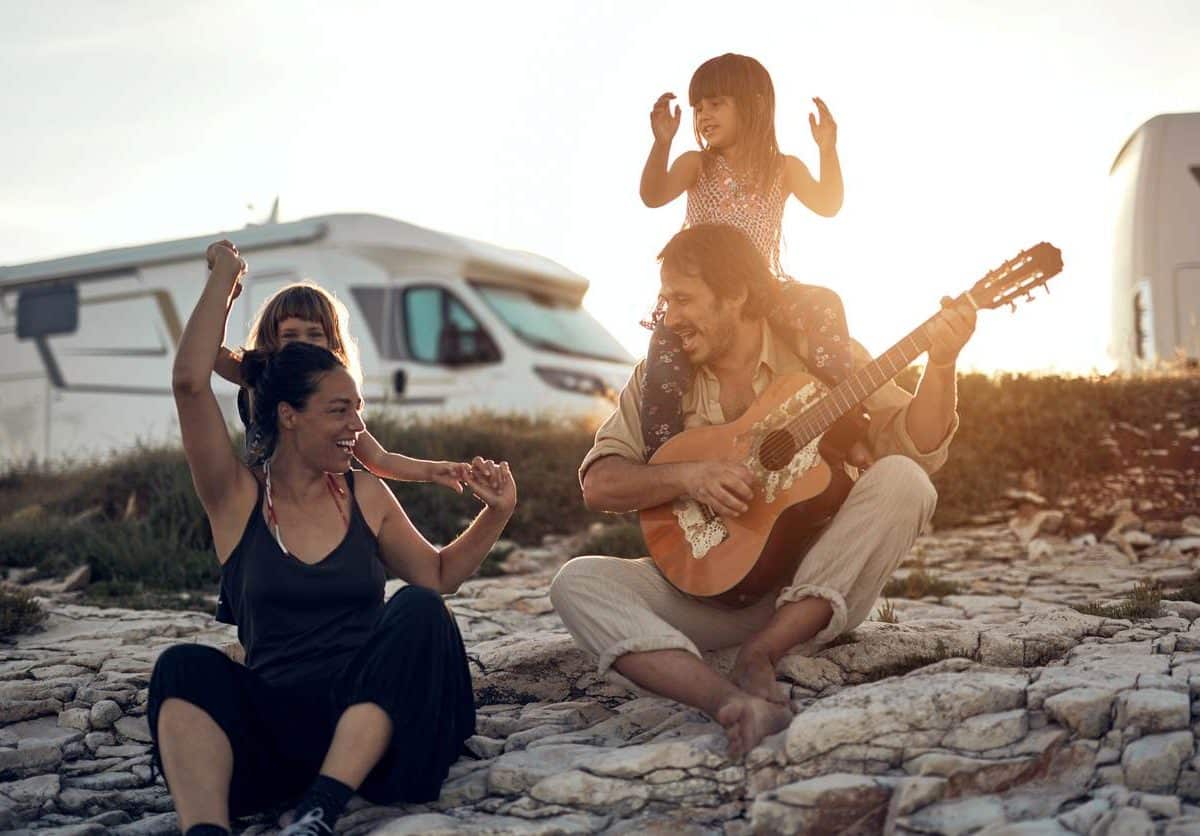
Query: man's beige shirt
621, 433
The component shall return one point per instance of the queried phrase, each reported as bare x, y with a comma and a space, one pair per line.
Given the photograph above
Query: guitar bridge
703, 529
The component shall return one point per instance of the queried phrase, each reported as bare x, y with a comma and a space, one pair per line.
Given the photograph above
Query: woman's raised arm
219, 477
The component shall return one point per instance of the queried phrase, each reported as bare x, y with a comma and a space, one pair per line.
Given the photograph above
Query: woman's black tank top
296, 620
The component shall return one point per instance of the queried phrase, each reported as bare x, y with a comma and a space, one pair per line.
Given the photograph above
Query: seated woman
340, 691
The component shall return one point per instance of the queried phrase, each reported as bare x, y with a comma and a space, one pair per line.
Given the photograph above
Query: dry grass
1144, 601
886, 612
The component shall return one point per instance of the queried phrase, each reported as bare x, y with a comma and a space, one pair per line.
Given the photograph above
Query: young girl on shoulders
740, 178
305, 312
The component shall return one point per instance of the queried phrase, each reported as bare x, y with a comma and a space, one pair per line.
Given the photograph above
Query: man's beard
719, 337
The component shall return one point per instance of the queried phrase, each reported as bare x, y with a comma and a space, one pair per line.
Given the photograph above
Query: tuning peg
1013, 305
1029, 296
1047, 288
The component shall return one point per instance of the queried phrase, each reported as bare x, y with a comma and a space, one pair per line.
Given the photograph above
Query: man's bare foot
748, 719
754, 673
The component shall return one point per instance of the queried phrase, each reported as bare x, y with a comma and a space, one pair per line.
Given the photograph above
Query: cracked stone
1153, 710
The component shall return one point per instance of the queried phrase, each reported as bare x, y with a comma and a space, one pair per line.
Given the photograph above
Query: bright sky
967, 131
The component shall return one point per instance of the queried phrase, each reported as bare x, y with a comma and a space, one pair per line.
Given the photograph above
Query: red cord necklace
335, 490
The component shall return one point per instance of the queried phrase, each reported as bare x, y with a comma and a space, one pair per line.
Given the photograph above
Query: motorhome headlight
570, 380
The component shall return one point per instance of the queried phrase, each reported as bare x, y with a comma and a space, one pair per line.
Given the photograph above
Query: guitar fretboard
859, 386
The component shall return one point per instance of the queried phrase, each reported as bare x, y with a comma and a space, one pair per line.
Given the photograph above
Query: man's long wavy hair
726, 260
748, 83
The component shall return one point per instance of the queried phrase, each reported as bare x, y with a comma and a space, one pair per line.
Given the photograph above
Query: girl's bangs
709, 82
725, 75
307, 304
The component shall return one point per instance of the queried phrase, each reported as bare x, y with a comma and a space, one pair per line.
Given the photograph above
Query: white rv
1156, 243
444, 324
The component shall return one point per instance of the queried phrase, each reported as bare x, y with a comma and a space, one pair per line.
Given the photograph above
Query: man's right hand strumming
726, 487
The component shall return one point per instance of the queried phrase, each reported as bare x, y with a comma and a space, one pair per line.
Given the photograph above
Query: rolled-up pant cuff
837, 623
645, 644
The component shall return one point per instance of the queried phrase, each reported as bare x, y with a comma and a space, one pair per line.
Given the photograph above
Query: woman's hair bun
254, 366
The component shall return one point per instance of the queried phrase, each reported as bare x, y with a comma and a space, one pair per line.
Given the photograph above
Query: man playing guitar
718, 291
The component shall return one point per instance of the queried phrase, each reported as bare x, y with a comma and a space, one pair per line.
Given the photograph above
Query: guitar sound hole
777, 450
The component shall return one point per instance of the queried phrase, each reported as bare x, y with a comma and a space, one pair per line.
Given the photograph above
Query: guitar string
828, 411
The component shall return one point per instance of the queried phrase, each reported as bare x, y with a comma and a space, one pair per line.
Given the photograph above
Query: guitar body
740, 559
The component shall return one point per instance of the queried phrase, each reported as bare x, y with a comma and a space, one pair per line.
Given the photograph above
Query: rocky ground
1001, 709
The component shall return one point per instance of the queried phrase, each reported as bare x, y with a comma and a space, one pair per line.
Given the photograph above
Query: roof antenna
272, 218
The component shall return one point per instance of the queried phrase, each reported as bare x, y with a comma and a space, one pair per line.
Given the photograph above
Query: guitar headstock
1017, 277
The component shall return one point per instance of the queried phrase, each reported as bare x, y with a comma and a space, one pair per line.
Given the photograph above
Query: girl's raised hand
210, 255
493, 483
223, 257
824, 129
663, 123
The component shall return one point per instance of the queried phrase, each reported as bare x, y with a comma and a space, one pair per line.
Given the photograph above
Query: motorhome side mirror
399, 381
47, 310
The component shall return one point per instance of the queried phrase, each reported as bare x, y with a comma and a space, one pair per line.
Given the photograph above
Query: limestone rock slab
1152, 763
837, 803
937, 701
1085, 711
1153, 710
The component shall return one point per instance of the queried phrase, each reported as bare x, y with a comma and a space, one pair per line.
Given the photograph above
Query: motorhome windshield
552, 325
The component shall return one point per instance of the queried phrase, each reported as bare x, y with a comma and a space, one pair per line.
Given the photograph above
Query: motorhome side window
440, 329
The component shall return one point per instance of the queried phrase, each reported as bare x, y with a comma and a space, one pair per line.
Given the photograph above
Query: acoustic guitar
737, 560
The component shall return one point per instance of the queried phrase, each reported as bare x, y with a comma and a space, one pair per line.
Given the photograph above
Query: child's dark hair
727, 261
748, 83
290, 376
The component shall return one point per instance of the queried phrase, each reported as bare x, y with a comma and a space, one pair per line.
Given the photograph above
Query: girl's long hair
312, 303
748, 83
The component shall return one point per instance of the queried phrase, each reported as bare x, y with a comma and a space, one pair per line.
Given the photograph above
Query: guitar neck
860, 385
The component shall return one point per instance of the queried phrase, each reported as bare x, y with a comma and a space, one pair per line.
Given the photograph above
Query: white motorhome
1156, 243
444, 324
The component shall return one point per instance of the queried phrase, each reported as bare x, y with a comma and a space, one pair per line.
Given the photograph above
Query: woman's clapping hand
493, 483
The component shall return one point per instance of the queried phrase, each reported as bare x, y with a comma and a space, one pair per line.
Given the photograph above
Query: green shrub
144, 524
19, 612
1052, 425
115, 550
152, 484
622, 539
